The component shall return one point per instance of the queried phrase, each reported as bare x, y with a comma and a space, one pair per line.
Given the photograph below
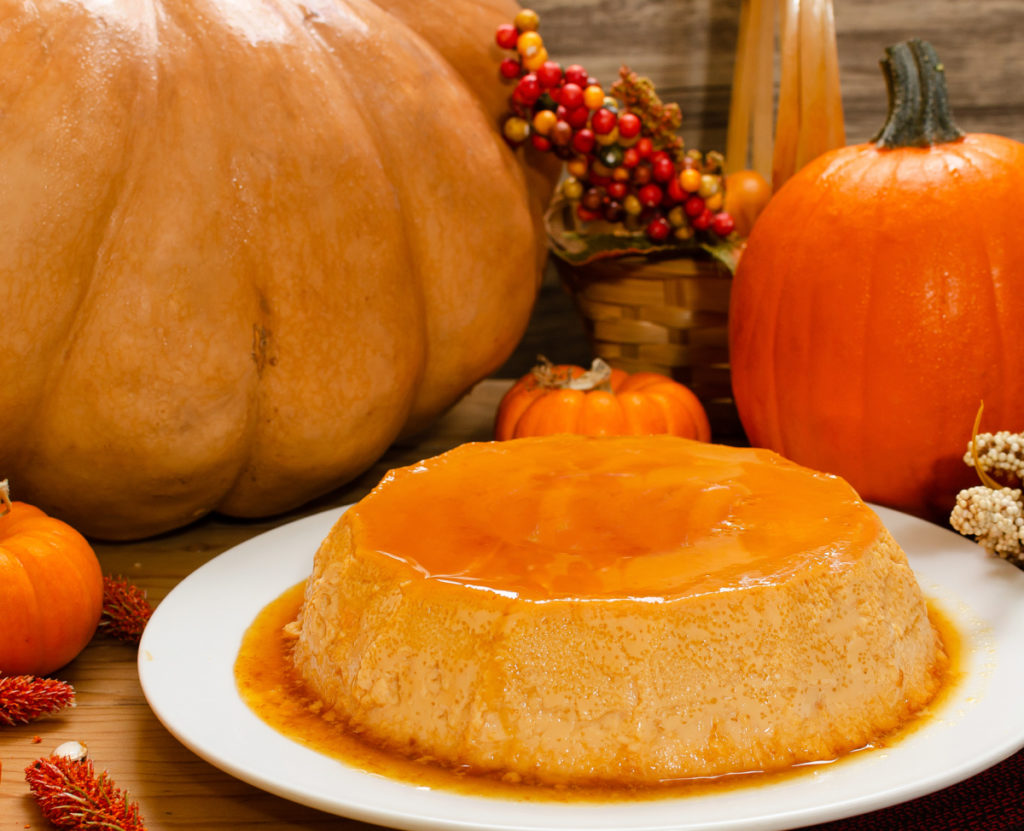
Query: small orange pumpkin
51, 590
601, 401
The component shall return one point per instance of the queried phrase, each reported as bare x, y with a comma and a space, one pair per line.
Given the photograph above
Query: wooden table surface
174, 787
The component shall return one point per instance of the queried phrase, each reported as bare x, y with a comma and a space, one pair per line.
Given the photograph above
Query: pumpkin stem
986, 480
919, 113
550, 376
5, 497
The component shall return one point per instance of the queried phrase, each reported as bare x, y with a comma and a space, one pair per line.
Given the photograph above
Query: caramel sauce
650, 517
269, 684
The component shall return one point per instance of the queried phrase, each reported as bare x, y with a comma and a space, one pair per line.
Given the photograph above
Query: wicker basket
662, 315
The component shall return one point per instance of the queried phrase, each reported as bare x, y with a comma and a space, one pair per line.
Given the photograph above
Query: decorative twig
125, 610
24, 698
71, 795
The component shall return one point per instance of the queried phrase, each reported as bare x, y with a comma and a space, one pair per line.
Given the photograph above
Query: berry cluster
624, 162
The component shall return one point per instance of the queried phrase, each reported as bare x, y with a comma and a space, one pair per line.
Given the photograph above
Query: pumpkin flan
630, 610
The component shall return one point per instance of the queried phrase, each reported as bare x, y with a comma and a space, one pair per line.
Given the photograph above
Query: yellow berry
543, 121
714, 202
689, 179
631, 205
608, 138
683, 232
527, 20
677, 216
516, 129
708, 185
536, 60
621, 174
593, 97
601, 169
572, 188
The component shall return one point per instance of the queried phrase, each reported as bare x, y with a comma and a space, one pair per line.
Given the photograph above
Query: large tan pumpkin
245, 244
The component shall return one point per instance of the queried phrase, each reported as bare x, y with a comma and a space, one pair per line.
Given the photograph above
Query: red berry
658, 155
507, 36
549, 74
617, 190
577, 117
629, 125
644, 147
613, 211
722, 224
593, 199
576, 74
630, 158
674, 191
583, 141
650, 195
662, 168
510, 68
561, 134
585, 215
529, 88
658, 228
694, 206
603, 121
702, 220
542, 143
599, 180
571, 96
641, 174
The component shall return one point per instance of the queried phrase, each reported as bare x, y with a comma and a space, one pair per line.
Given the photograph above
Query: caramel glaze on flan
615, 610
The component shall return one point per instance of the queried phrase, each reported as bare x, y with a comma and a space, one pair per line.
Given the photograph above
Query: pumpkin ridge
85, 292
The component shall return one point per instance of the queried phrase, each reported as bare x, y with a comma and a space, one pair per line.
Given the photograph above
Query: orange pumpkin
601, 401
51, 590
245, 245
880, 298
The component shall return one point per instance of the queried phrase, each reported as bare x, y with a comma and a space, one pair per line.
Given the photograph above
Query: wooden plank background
687, 48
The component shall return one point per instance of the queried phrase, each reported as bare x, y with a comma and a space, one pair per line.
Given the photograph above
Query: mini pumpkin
51, 590
601, 401
880, 298
245, 245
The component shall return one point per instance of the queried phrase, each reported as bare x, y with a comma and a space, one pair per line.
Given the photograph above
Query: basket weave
662, 315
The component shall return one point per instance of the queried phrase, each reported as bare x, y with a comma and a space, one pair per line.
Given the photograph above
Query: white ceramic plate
196, 632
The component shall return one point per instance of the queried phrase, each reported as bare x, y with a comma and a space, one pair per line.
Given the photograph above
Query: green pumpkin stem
919, 113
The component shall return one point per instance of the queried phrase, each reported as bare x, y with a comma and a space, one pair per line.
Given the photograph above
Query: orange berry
593, 97
529, 43
536, 60
689, 179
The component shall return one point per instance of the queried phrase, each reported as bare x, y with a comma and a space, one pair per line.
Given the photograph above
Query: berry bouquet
638, 226
630, 185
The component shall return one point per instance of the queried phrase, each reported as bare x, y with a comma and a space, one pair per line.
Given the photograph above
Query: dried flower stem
71, 795
986, 480
24, 698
